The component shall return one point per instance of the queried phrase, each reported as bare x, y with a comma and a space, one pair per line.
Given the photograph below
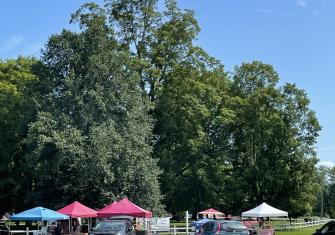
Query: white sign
159, 224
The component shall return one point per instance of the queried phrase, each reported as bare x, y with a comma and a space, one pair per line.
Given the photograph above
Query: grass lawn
304, 231
178, 224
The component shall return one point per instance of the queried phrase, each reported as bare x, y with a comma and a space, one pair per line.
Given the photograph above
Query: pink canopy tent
78, 210
210, 213
124, 207
104, 211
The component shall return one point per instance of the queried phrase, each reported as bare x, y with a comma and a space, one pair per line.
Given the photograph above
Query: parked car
113, 227
224, 227
251, 225
327, 229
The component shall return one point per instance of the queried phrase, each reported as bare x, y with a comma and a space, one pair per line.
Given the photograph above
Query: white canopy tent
264, 210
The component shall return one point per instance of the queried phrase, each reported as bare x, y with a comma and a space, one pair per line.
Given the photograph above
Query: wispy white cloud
302, 3
326, 164
12, 43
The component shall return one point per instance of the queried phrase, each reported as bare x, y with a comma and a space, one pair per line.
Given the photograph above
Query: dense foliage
325, 179
92, 135
18, 104
130, 106
273, 136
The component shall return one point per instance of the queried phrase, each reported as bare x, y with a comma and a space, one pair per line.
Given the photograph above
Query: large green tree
159, 40
188, 88
92, 137
18, 104
192, 118
325, 179
272, 151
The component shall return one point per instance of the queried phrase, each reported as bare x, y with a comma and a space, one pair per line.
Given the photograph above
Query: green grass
304, 231
178, 224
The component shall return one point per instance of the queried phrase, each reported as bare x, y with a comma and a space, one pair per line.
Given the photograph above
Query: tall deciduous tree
160, 42
326, 194
193, 114
18, 104
272, 154
92, 138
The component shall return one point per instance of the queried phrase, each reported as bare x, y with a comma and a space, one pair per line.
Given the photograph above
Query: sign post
186, 222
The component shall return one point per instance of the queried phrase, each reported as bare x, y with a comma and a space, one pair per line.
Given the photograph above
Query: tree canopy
130, 106
18, 105
272, 152
92, 137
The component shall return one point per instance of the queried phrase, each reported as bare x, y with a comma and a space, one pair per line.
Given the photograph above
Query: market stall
211, 214
38, 214
263, 213
264, 210
77, 210
124, 207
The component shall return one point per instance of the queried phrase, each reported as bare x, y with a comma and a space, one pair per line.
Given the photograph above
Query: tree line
130, 106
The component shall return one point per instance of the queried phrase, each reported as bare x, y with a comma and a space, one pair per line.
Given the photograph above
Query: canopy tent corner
104, 211
123, 207
264, 210
78, 210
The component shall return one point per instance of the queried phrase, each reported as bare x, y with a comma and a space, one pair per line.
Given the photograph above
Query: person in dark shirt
52, 228
58, 229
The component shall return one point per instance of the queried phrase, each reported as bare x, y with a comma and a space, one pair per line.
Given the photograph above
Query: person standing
58, 229
51, 228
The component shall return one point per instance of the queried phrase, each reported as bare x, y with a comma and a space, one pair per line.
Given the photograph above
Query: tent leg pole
70, 225
89, 224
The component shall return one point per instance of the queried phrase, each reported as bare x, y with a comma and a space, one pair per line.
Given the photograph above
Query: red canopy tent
124, 207
211, 212
104, 211
78, 210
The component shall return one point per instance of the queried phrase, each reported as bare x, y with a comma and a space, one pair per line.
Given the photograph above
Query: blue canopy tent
38, 214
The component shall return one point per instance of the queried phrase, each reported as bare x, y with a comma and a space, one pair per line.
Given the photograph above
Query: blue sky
295, 36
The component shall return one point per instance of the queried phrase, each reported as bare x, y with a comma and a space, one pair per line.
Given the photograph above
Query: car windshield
110, 225
232, 225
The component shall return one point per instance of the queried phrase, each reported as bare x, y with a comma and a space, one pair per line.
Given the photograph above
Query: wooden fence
278, 227
299, 225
